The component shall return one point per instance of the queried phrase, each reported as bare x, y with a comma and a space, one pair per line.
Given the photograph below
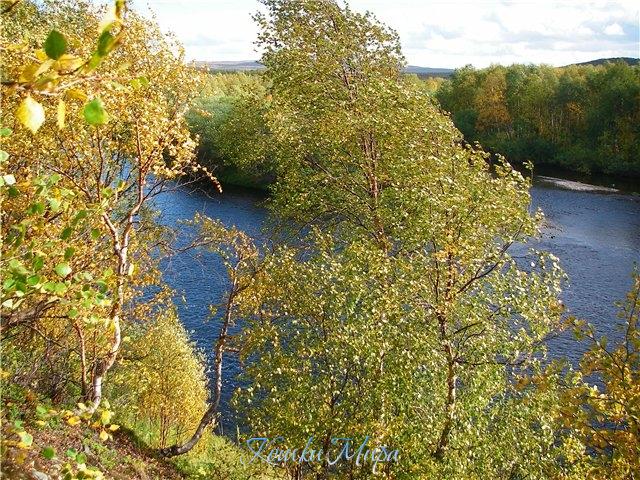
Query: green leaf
136, 83
42, 410
73, 313
48, 453
94, 112
5, 132
4, 156
82, 214
106, 43
31, 114
55, 45
38, 263
66, 233
63, 269
55, 204
37, 208
68, 253
94, 61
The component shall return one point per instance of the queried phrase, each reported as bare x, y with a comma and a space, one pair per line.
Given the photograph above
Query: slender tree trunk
210, 415
83, 359
450, 403
103, 365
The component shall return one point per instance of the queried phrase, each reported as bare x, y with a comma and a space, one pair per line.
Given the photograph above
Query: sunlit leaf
69, 63
60, 113
109, 19
74, 420
94, 112
31, 114
63, 269
26, 440
8, 179
74, 93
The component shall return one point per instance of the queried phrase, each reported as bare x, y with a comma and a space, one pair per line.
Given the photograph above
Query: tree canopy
583, 118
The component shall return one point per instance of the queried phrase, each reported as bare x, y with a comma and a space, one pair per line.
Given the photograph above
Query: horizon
433, 34
430, 67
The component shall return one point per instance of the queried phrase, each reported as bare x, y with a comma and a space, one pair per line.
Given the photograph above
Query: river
594, 230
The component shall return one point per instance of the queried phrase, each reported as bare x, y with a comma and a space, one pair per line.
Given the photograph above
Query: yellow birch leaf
105, 416
69, 63
75, 420
31, 114
41, 55
76, 94
60, 113
28, 73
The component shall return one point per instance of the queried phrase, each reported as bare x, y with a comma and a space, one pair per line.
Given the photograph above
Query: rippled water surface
594, 231
596, 235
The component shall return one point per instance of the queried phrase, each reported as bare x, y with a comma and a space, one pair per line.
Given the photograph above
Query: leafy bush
160, 386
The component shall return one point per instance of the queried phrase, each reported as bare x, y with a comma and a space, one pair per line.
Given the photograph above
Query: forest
399, 301
582, 118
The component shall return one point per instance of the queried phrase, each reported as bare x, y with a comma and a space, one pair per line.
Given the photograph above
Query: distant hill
429, 71
231, 66
602, 61
251, 65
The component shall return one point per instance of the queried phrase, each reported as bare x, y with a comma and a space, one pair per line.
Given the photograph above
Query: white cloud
614, 29
434, 33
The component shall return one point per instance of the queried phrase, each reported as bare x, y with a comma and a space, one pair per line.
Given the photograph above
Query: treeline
583, 118
229, 118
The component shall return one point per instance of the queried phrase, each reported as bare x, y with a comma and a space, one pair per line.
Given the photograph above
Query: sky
446, 34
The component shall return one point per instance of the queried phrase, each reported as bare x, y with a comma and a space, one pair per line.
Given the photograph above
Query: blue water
199, 278
595, 234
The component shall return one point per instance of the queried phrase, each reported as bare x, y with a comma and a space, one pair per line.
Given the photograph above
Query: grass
36, 438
